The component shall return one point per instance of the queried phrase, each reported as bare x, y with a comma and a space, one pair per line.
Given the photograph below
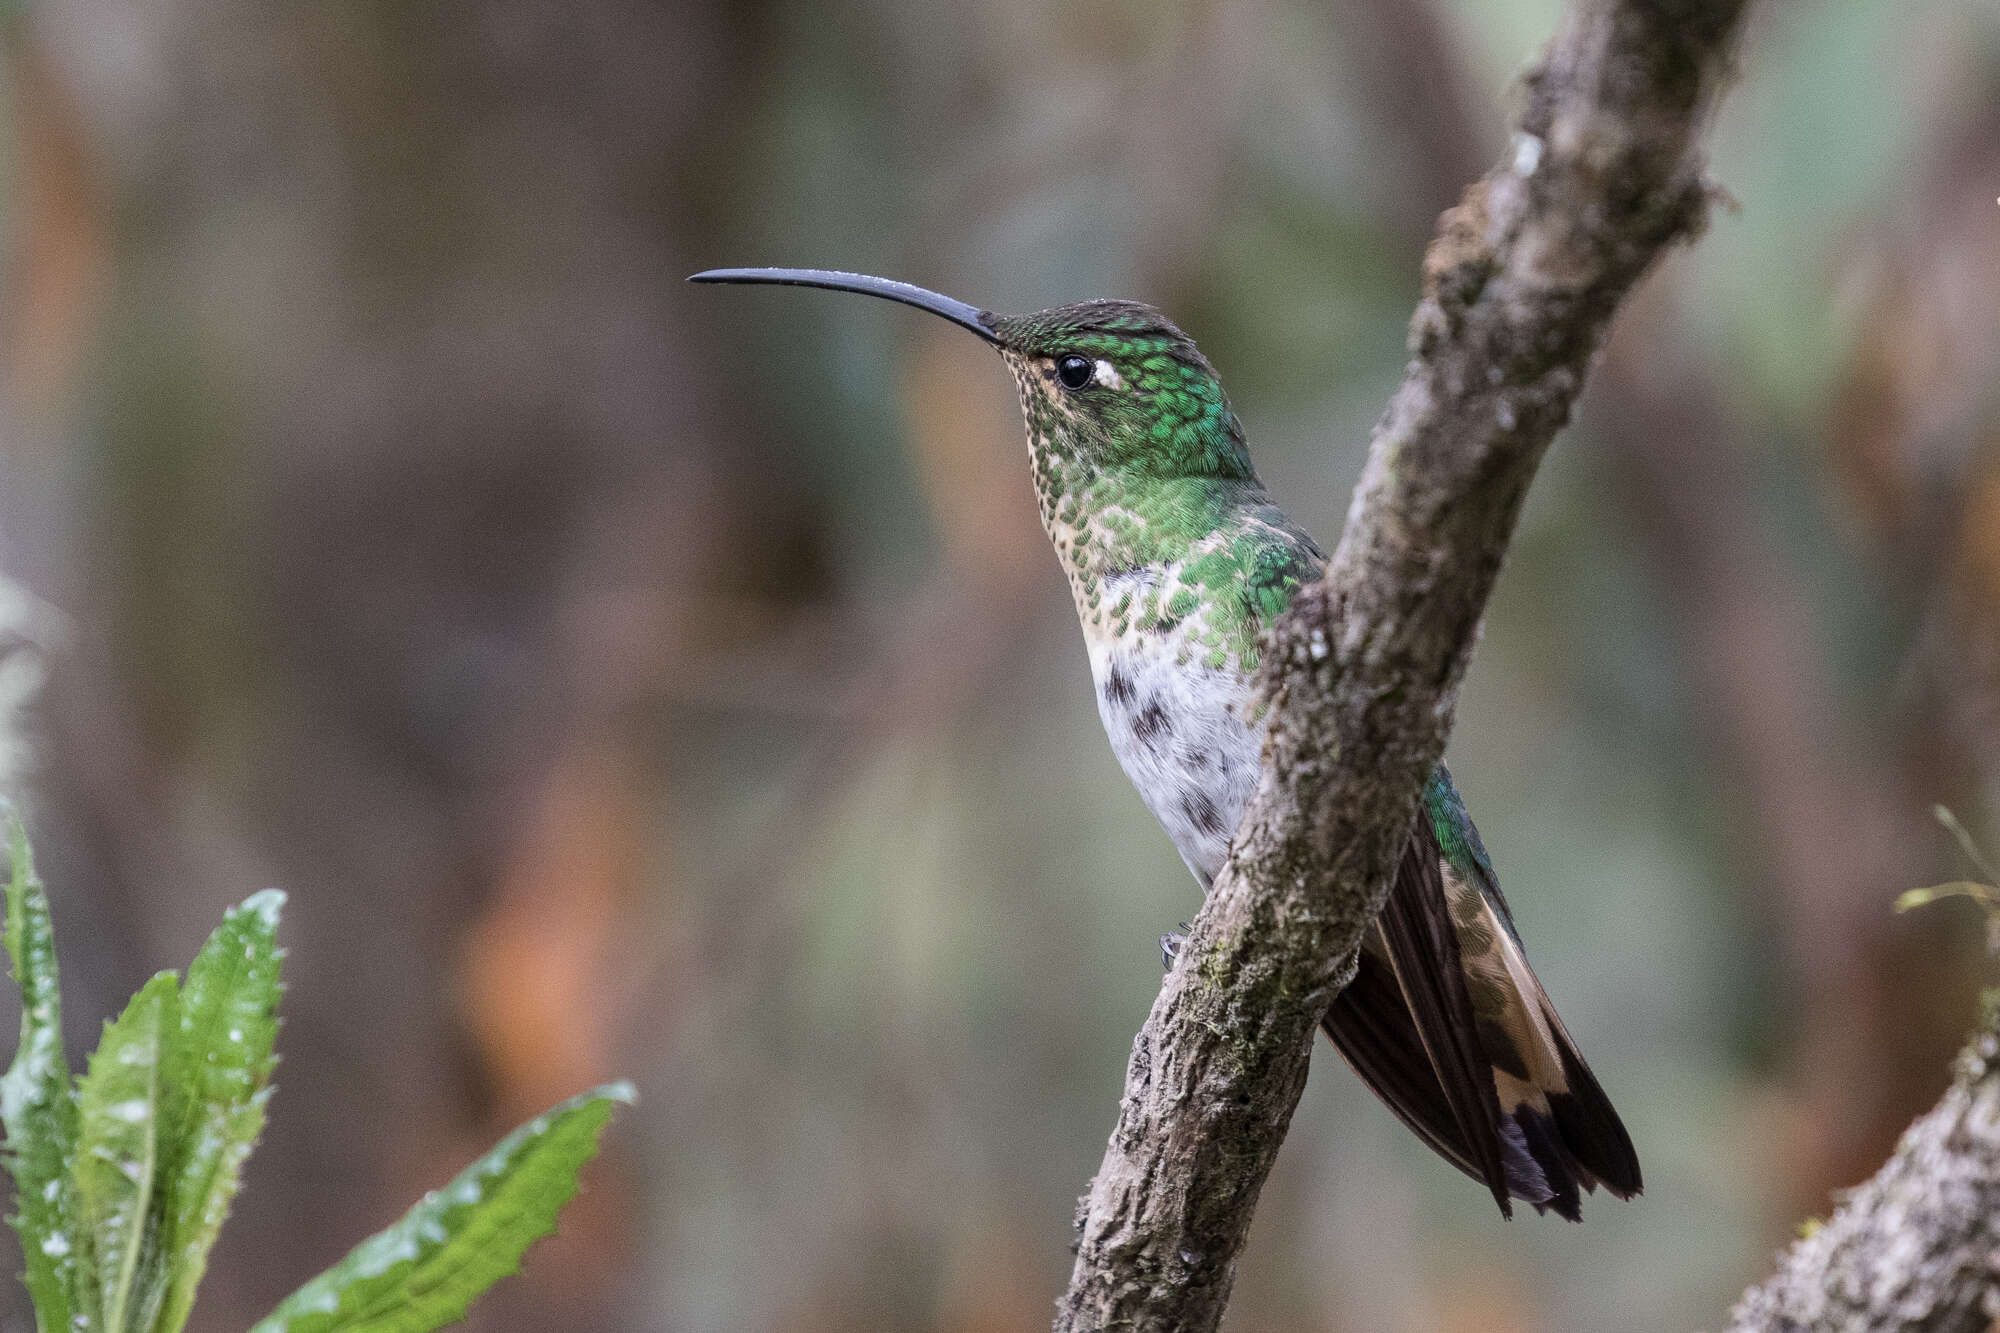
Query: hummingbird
1177, 560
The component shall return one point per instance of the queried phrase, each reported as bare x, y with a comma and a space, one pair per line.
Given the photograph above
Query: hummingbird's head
1115, 385
1110, 386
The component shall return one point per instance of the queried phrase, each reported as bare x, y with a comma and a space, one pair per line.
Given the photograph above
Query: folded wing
1446, 1022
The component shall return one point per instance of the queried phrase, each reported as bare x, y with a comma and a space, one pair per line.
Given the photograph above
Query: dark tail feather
1590, 1126
1408, 1025
1371, 1027
1423, 955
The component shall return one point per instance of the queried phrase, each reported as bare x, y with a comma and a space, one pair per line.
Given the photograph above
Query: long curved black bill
958, 312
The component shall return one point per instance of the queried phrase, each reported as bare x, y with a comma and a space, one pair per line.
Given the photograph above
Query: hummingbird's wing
1408, 1039
1447, 1024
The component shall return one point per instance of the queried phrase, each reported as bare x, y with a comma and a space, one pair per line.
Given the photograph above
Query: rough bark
1361, 675
1918, 1246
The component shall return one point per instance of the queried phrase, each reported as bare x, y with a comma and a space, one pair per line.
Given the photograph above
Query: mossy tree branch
1360, 677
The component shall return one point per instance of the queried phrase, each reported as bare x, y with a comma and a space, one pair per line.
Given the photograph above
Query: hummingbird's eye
1074, 371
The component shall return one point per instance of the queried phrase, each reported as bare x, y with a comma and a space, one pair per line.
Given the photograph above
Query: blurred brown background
625, 677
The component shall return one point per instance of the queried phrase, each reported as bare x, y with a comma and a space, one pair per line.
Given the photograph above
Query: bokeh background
625, 677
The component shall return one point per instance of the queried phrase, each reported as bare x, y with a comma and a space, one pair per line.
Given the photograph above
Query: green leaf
37, 1102
217, 1071
424, 1271
117, 1158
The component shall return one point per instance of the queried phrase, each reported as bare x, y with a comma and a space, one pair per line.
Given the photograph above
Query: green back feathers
1459, 840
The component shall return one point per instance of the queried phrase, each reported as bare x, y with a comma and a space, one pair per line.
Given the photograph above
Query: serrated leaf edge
397, 1244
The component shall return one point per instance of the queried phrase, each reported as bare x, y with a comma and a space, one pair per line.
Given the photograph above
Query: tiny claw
1170, 945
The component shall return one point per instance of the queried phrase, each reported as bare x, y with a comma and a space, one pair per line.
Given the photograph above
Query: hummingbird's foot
1170, 945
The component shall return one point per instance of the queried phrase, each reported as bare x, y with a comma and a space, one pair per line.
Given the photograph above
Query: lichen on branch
1918, 1245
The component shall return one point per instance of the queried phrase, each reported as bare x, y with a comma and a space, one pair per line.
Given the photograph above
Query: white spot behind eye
1107, 375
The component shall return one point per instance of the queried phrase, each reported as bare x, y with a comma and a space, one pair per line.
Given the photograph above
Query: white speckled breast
1177, 730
